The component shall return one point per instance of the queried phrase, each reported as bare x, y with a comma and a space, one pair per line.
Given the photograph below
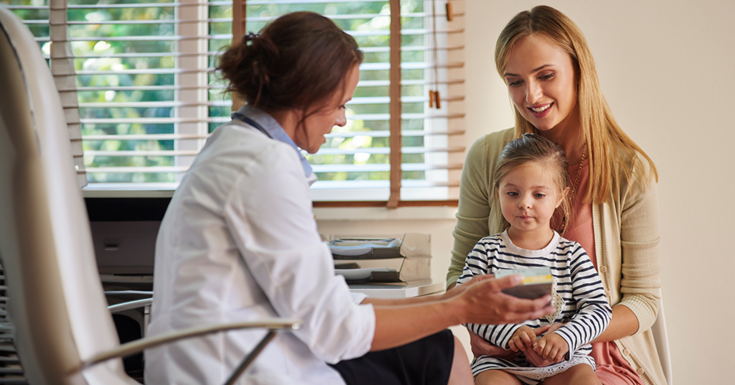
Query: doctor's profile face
320, 123
541, 82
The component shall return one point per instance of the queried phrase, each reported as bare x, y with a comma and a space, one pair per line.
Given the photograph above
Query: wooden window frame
239, 8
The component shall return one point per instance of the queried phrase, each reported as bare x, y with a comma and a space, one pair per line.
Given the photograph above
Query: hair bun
260, 46
298, 60
262, 55
249, 38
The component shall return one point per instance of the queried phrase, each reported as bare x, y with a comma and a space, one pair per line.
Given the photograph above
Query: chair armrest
129, 292
119, 307
660, 337
150, 342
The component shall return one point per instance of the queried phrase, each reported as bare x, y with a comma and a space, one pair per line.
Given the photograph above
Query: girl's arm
623, 323
593, 311
480, 262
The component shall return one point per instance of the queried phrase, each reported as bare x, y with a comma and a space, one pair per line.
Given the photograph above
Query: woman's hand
480, 347
482, 301
454, 290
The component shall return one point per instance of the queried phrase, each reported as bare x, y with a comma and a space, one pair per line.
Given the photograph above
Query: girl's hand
532, 356
535, 359
480, 347
551, 347
523, 338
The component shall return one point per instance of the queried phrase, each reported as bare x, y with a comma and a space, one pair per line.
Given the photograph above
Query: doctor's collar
268, 125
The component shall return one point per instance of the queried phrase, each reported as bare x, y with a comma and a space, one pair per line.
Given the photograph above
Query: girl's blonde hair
606, 142
532, 148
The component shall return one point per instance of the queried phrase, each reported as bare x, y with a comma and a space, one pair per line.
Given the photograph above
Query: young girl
531, 182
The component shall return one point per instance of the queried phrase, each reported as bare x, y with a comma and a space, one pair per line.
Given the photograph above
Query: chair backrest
56, 300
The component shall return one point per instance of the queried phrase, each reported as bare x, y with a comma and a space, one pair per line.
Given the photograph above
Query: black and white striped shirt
585, 311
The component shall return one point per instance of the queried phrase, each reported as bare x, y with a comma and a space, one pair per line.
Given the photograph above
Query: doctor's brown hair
532, 148
297, 61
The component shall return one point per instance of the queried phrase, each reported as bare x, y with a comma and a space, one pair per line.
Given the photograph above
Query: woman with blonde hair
546, 63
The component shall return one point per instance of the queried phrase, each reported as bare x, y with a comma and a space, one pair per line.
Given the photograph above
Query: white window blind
355, 163
46, 19
140, 68
148, 98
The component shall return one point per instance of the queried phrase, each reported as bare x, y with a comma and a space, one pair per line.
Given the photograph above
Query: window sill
383, 214
335, 213
129, 190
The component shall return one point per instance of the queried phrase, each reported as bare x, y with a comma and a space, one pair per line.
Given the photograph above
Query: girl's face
528, 197
311, 136
541, 81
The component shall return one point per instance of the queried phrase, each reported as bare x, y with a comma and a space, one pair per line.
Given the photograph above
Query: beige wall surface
667, 69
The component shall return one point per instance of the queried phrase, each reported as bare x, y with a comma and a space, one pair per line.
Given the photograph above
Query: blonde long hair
606, 141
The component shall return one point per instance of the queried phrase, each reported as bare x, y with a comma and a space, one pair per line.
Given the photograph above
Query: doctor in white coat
239, 241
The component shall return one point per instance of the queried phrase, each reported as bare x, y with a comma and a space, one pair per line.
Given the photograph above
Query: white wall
667, 68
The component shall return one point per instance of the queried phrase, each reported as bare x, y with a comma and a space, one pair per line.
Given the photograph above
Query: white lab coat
239, 242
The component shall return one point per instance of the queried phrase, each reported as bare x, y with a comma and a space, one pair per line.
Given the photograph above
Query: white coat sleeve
270, 216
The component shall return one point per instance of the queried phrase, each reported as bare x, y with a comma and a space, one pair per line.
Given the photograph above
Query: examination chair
63, 330
661, 338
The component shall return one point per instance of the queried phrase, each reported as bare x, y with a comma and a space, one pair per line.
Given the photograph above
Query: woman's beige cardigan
626, 244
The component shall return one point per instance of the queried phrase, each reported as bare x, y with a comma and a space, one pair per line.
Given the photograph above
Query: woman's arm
623, 323
475, 195
640, 264
477, 301
473, 210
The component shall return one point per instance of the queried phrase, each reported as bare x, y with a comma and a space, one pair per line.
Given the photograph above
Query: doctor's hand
481, 301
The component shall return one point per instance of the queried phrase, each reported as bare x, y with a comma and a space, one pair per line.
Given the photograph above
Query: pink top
612, 367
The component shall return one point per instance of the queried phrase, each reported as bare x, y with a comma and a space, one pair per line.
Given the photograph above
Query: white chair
64, 332
662, 343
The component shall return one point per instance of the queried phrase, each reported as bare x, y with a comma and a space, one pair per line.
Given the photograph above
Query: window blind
47, 21
141, 73
395, 148
148, 98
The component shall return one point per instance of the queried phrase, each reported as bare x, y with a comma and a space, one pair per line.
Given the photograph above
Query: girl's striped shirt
579, 292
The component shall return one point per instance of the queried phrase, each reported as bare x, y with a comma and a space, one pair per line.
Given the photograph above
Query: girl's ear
562, 197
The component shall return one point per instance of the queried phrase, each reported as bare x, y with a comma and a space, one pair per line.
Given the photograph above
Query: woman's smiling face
542, 84
321, 123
